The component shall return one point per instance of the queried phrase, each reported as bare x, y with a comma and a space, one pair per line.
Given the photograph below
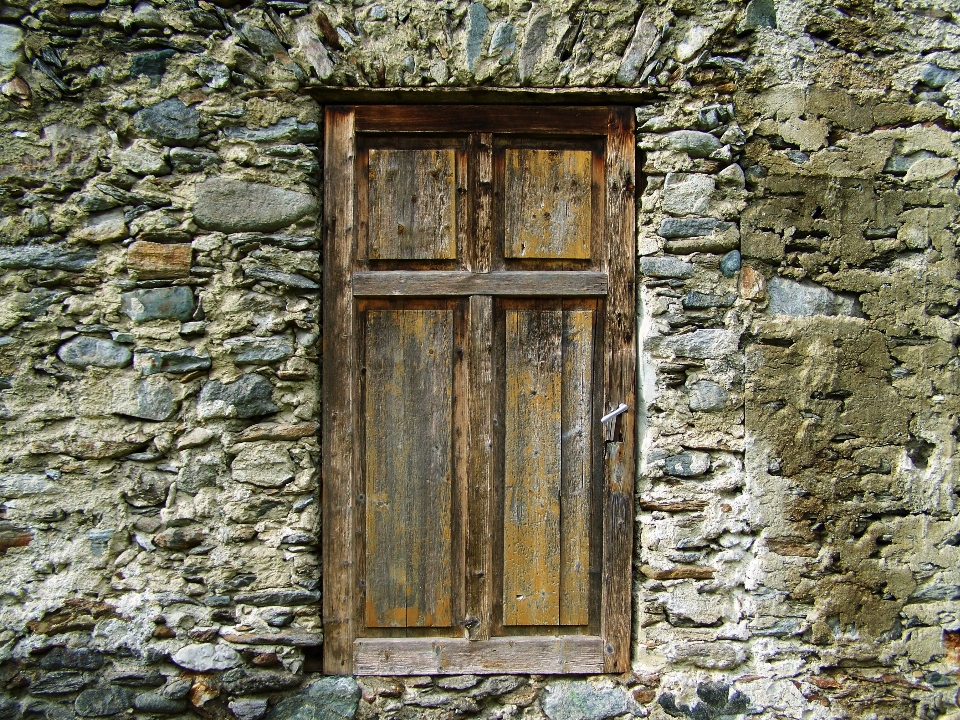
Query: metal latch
621, 409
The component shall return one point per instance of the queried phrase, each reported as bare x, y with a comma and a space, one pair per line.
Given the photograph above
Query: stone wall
798, 541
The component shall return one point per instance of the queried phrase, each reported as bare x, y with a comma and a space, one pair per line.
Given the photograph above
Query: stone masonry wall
798, 540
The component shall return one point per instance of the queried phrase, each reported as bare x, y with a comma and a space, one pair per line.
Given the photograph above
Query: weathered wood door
478, 322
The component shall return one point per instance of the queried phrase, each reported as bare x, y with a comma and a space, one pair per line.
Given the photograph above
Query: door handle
620, 410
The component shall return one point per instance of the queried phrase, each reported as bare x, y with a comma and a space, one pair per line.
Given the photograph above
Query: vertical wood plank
339, 492
576, 466
408, 468
620, 354
479, 257
412, 204
531, 516
479, 546
547, 203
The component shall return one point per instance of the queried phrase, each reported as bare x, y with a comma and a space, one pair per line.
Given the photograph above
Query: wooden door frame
344, 652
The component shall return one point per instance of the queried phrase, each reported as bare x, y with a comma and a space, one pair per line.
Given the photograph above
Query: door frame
344, 651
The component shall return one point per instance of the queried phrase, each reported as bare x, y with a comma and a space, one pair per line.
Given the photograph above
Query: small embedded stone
179, 538
248, 709
687, 464
730, 263
47, 257
707, 396
171, 303
186, 160
259, 350
665, 267
264, 464
691, 227
936, 76
699, 344
152, 261
582, 700
150, 362
83, 351
686, 193
804, 299
692, 142
153, 64
171, 122
294, 280
154, 702
102, 701
237, 206
760, 13
152, 399
59, 682
695, 300
645, 41
533, 42
249, 396
287, 129
477, 25
206, 657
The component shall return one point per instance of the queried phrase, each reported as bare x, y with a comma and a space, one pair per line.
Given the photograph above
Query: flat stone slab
238, 206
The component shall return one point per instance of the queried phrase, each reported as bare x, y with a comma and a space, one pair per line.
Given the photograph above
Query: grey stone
936, 76
59, 682
707, 396
134, 677
83, 351
237, 206
102, 701
699, 344
146, 488
760, 13
687, 464
458, 682
533, 40
264, 464
694, 300
176, 689
154, 702
495, 686
11, 38
294, 280
9, 708
170, 303
691, 227
693, 142
340, 694
153, 399
805, 299
200, 469
250, 396
900, 164
265, 41
503, 41
716, 655
645, 41
61, 658
248, 709
684, 193
938, 592
265, 598
171, 122
252, 682
665, 267
47, 257
151, 362
153, 64
23, 484
184, 159
581, 700
179, 538
99, 541
213, 73
288, 129
477, 26
730, 263
205, 657
259, 350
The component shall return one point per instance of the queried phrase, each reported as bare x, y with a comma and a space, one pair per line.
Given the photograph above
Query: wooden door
478, 322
